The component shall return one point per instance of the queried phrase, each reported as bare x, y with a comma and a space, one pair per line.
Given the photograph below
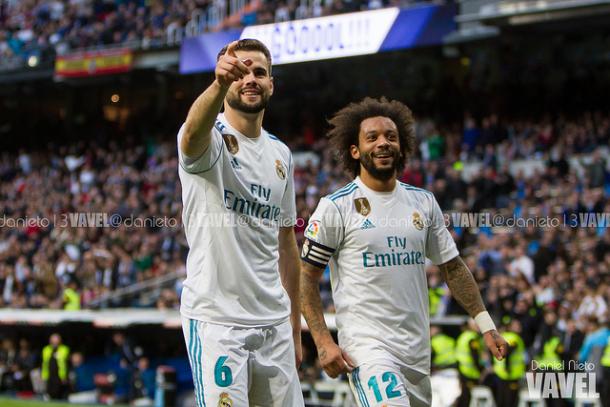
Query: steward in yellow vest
54, 369
443, 349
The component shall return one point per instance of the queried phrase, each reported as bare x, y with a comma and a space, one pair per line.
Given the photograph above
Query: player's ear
355, 152
272, 85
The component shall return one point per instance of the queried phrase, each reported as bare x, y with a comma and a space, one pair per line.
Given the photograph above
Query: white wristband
484, 322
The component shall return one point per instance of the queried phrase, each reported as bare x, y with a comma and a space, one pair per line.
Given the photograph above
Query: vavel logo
553, 382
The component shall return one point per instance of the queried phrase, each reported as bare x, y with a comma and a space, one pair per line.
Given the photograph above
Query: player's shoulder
344, 193
220, 126
277, 144
411, 190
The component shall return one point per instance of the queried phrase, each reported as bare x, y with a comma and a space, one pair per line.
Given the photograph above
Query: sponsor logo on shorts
362, 206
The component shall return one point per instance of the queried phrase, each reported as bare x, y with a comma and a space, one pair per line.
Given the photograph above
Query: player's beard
234, 100
383, 174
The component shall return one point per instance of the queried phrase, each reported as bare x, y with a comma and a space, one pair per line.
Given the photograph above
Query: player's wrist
484, 322
220, 86
324, 341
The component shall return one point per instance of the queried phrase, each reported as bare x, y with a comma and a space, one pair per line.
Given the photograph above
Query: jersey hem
233, 323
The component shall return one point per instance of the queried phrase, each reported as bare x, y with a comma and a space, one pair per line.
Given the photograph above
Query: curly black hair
345, 128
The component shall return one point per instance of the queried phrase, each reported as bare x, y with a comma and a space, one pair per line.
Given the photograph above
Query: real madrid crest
418, 221
362, 206
280, 170
225, 400
231, 143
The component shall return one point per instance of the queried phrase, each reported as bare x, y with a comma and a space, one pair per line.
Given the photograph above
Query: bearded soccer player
375, 234
239, 306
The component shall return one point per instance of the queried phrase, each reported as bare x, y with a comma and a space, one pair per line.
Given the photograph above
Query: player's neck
377, 184
248, 124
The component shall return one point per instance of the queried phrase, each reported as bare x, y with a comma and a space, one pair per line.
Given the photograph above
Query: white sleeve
288, 208
440, 247
206, 160
323, 234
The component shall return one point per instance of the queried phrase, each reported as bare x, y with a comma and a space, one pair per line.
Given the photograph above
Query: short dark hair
345, 128
248, 44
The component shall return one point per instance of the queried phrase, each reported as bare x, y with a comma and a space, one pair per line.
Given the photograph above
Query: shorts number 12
390, 390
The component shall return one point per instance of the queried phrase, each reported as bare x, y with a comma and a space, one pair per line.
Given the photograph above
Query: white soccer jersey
377, 244
235, 197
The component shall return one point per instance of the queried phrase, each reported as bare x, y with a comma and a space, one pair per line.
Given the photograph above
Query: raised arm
465, 290
202, 114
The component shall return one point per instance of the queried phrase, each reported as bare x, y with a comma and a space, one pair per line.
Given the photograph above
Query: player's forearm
463, 286
200, 120
290, 270
311, 305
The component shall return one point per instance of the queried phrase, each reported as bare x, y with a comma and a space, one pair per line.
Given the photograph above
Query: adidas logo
235, 164
367, 224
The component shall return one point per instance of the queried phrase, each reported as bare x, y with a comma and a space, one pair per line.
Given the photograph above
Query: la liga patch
312, 229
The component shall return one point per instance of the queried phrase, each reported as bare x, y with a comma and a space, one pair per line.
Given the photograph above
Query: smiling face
378, 147
251, 93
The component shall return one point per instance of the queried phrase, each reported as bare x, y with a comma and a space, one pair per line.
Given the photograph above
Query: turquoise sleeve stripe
343, 193
341, 190
361, 394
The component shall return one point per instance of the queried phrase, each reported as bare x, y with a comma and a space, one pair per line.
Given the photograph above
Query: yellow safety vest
550, 356
512, 368
72, 300
605, 361
466, 364
61, 355
435, 295
444, 350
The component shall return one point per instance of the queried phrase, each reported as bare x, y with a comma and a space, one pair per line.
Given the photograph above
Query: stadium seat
337, 393
327, 394
445, 387
581, 402
481, 396
526, 400
38, 385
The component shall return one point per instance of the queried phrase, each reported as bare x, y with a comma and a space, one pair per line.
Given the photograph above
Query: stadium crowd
43, 28
553, 280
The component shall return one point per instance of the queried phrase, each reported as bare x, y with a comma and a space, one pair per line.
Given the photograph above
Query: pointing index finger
231, 49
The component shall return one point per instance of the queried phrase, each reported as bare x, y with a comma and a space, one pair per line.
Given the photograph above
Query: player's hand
496, 344
298, 349
229, 68
334, 360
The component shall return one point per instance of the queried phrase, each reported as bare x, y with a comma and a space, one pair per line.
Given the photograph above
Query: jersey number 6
222, 374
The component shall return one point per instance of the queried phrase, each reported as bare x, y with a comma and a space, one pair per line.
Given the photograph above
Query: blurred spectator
81, 377
40, 29
144, 380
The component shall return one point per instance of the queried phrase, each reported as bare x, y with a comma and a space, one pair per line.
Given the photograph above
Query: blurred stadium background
512, 107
